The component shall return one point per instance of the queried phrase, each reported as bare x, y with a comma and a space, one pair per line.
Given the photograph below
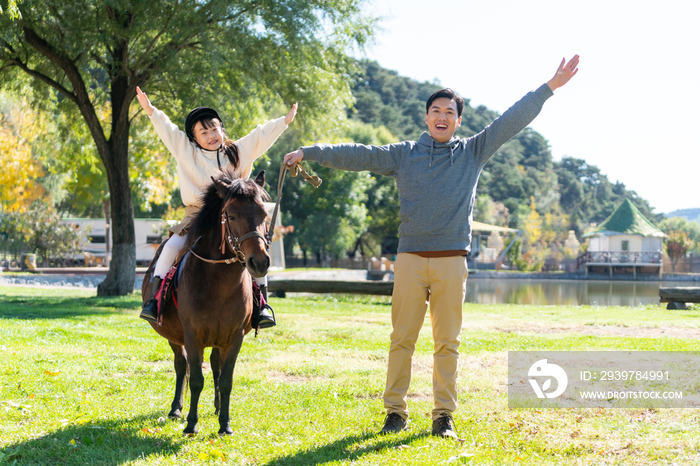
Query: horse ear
260, 179
221, 187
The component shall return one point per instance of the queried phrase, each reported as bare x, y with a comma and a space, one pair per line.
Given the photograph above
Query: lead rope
296, 169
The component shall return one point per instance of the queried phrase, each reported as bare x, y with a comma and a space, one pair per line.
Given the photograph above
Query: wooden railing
620, 257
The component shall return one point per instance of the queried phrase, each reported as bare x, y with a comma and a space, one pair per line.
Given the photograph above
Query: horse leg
194, 358
180, 380
216, 372
229, 356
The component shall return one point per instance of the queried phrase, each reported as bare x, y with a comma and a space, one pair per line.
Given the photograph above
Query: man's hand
293, 158
292, 113
143, 100
564, 73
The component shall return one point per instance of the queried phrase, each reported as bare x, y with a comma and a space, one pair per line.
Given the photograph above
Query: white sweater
195, 166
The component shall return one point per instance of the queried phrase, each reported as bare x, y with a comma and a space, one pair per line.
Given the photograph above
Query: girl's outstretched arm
292, 113
145, 102
261, 139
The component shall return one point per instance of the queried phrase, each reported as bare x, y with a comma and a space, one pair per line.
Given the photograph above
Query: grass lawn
85, 381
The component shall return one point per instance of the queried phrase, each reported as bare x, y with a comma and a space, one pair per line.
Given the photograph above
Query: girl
200, 152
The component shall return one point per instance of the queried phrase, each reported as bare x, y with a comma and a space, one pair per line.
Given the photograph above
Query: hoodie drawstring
452, 153
432, 143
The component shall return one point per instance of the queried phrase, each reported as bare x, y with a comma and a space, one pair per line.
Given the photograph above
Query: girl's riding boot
267, 315
149, 311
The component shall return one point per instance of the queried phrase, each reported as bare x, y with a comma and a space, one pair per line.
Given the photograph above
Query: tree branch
80, 93
253, 6
14, 61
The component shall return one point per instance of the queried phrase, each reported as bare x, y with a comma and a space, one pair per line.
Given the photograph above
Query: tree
12, 11
349, 208
20, 169
11, 237
94, 54
590, 197
47, 236
39, 230
677, 245
328, 220
692, 228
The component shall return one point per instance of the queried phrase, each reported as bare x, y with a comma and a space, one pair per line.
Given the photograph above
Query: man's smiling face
442, 119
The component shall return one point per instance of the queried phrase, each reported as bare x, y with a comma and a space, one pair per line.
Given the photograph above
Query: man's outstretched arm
564, 73
295, 157
520, 114
383, 160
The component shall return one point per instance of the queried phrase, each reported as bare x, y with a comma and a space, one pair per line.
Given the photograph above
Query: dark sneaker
267, 317
393, 424
444, 427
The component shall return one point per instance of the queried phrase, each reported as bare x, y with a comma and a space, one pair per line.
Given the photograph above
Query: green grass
84, 381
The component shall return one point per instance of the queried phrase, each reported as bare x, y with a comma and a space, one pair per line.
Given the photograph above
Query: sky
633, 109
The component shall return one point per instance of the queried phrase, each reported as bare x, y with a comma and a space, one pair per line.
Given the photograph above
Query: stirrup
266, 319
149, 311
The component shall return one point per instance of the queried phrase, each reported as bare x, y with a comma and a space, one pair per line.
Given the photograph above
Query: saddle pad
169, 286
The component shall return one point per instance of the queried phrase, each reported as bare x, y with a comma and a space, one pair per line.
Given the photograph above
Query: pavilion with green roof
626, 239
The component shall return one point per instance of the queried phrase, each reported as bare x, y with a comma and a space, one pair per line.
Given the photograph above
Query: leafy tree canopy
240, 54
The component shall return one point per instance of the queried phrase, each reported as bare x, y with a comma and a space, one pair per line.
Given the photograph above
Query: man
436, 178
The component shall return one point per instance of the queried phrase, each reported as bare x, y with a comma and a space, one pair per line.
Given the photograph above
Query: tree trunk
108, 220
122, 268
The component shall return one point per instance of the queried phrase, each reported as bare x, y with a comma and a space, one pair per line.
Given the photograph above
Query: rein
296, 169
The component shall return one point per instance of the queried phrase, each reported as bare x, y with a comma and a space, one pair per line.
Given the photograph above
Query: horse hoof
190, 430
226, 431
175, 414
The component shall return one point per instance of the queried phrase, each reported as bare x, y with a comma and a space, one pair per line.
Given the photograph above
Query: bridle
233, 242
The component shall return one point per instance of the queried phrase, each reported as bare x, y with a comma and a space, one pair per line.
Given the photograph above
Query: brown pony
215, 297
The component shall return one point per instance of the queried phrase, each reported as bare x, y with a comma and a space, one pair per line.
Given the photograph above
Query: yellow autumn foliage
18, 169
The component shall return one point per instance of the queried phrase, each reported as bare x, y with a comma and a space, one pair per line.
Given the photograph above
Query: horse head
246, 216
234, 221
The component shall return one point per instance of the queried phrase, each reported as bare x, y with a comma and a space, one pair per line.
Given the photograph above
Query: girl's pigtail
230, 148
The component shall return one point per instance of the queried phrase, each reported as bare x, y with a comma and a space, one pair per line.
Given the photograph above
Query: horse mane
209, 215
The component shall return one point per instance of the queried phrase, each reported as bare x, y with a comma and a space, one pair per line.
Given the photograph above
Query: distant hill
689, 214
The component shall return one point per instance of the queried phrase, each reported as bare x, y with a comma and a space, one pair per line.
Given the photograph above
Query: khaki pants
442, 280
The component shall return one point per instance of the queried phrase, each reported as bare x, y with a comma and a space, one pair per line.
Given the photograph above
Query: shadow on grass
341, 450
108, 442
53, 307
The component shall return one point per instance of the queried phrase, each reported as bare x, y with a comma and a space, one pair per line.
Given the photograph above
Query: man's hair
450, 94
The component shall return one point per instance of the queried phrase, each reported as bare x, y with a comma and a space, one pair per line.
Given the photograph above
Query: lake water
572, 292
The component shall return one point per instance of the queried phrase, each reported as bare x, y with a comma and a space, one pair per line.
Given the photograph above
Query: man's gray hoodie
436, 181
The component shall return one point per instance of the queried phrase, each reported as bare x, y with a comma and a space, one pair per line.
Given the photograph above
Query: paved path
89, 278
